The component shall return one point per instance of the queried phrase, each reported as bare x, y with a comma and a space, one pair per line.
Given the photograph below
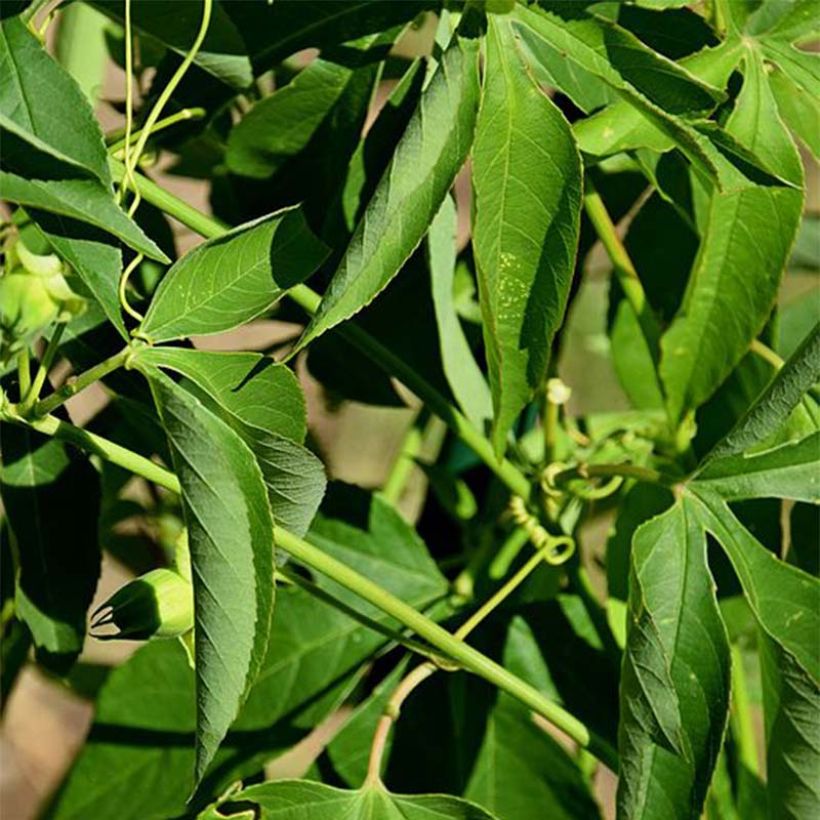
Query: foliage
674, 403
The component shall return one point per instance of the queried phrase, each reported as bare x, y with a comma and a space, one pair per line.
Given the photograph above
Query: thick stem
24, 373
75, 384
470, 659
309, 301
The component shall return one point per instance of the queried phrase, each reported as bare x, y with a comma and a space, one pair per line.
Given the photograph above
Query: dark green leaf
774, 405
281, 125
788, 471
426, 161
675, 684
230, 532
232, 279
527, 181
86, 200
223, 51
304, 800
42, 104
52, 500
786, 604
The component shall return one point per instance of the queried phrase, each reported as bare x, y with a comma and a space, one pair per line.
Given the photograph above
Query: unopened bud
158, 604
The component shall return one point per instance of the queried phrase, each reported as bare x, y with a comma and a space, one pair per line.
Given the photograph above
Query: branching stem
42, 371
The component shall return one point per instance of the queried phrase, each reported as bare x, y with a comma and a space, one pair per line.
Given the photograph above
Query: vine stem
741, 716
23, 372
645, 474
172, 119
316, 559
623, 267
75, 384
42, 371
425, 670
309, 301
405, 461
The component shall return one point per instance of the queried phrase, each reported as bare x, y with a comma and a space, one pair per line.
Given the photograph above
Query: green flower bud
26, 309
159, 604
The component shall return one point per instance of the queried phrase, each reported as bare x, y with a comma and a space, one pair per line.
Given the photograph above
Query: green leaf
788, 471
675, 680
426, 161
42, 104
527, 182
234, 278
92, 256
52, 501
773, 406
785, 602
223, 51
798, 107
230, 532
281, 125
746, 230
315, 652
304, 800
263, 403
621, 126
273, 31
463, 373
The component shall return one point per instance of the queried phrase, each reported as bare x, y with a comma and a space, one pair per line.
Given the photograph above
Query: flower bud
26, 309
159, 604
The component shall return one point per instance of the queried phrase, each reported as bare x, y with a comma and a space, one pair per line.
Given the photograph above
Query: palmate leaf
51, 498
745, 230
264, 404
527, 182
305, 800
223, 51
423, 167
785, 602
315, 654
230, 532
675, 679
230, 280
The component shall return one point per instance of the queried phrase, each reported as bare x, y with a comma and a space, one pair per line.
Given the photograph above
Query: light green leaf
86, 200
92, 256
51, 498
305, 800
786, 604
426, 161
675, 679
788, 471
263, 403
230, 532
773, 406
230, 280
281, 125
527, 182
42, 104
223, 52
798, 107
746, 230
463, 373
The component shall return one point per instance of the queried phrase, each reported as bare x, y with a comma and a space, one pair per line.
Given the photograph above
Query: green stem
503, 559
108, 450
317, 560
166, 122
76, 384
463, 654
766, 353
405, 461
741, 715
23, 372
624, 269
582, 471
42, 371
309, 301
